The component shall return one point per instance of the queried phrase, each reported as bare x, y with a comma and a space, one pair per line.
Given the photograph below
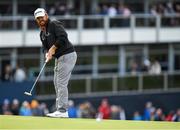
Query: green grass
45, 123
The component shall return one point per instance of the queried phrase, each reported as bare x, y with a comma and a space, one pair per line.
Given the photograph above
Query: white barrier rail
84, 30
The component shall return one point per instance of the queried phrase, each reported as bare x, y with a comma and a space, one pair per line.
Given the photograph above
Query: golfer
56, 44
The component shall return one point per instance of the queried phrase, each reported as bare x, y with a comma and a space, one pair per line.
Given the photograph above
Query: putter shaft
29, 93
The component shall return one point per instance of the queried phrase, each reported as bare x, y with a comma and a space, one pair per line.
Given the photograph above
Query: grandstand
128, 51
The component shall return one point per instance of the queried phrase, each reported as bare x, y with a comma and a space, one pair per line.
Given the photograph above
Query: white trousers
62, 73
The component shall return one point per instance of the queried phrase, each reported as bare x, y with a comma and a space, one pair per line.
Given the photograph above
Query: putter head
27, 93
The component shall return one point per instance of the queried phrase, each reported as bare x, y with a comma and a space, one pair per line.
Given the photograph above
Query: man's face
42, 20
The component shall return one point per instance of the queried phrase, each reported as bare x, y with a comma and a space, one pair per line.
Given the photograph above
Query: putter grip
46, 60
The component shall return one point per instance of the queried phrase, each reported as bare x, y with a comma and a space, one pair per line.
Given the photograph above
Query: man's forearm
50, 53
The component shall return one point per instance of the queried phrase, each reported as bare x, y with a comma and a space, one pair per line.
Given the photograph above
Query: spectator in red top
170, 115
104, 109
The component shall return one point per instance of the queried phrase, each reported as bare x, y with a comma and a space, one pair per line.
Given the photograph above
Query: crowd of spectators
152, 67
110, 9
113, 10
168, 8
87, 110
106, 7
16, 74
61, 9
25, 108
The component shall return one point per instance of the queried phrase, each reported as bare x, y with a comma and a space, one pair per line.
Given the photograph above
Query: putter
30, 92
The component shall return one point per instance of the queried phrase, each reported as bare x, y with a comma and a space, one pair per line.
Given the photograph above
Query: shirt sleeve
60, 35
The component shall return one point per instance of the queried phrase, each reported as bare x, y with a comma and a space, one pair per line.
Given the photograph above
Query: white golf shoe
58, 114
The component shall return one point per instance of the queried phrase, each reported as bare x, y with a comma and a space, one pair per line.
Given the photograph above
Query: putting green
45, 123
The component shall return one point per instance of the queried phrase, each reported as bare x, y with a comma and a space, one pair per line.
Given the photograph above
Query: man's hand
50, 53
48, 57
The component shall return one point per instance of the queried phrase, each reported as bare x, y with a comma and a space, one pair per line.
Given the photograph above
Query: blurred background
128, 63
